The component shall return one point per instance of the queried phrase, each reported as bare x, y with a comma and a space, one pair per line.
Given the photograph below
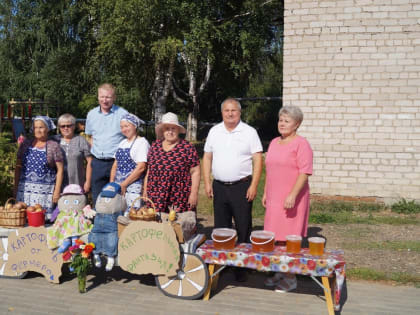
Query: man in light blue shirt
103, 125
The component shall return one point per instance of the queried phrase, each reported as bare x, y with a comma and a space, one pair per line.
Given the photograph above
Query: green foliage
80, 265
406, 207
7, 166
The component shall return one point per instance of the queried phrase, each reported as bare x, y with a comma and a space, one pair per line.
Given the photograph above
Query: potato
8, 206
22, 205
38, 210
30, 209
151, 211
37, 206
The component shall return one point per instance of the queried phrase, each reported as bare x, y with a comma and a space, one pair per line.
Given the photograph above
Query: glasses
66, 126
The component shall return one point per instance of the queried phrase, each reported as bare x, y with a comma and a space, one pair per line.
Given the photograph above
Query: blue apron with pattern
37, 180
125, 166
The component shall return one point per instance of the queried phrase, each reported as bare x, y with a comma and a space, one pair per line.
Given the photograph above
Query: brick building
353, 66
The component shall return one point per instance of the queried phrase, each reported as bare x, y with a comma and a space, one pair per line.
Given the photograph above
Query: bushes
7, 166
406, 207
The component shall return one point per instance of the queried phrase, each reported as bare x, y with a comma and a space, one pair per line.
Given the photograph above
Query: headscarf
46, 120
132, 119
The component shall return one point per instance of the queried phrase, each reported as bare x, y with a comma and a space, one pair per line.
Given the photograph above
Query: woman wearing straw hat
39, 167
130, 160
173, 175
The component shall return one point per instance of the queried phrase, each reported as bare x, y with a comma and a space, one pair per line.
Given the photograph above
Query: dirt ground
350, 237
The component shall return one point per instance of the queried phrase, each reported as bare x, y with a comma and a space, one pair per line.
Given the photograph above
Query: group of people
168, 171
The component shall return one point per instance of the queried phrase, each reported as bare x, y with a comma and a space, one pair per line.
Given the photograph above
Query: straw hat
168, 119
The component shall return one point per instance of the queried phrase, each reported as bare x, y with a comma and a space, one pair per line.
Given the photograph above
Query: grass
331, 212
370, 274
347, 217
413, 246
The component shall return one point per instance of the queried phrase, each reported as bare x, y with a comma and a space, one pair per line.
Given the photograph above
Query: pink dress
284, 163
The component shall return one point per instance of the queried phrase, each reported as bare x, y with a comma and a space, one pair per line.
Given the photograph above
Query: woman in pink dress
286, 194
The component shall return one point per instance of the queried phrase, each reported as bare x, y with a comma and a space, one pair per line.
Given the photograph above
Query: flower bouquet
79, 254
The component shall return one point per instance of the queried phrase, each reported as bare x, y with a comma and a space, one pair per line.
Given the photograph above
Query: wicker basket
12, 218
145, 217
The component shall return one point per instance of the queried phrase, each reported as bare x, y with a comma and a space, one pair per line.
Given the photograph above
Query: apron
125, 166
37, 180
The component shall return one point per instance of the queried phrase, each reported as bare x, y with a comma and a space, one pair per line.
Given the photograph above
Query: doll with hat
109, 205
72, 220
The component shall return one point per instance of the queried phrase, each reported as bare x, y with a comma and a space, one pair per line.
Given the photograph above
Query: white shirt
232, 151
139, 149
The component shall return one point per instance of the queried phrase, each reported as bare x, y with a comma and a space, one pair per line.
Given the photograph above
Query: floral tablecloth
279, 260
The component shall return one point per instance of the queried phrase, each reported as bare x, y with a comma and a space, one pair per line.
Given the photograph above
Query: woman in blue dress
130, 162
39, 168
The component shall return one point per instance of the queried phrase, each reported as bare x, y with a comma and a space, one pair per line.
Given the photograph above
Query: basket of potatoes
144, 213
13, 214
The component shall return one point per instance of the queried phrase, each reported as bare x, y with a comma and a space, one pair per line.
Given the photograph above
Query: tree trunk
192, 125
161, 88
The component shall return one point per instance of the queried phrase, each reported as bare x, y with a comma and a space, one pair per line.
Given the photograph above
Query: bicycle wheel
189, 283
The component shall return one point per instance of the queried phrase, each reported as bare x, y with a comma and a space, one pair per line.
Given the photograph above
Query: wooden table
331, 265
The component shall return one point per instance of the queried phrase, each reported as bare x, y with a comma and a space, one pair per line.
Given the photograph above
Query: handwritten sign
149, 247
28, 251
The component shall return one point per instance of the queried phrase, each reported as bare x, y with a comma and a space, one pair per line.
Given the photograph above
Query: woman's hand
263, 200
289, 202
193, 200
86, 186
56, 196
123, 188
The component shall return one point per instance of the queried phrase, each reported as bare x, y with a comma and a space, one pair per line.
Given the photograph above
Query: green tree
43, 45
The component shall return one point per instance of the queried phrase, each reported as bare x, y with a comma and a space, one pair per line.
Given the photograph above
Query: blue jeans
101, 171
105, 234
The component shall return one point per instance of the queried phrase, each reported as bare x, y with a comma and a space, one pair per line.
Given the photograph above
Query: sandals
287, 284
274, 280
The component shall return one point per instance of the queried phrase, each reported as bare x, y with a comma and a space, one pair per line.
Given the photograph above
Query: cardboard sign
27, 251
149, 247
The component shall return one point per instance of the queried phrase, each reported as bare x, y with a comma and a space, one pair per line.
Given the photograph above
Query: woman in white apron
130, 162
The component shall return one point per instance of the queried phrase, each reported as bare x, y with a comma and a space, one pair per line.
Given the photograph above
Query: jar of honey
262, 241
223, 238
293, 243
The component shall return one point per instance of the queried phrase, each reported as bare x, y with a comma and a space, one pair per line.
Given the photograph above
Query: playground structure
19, 113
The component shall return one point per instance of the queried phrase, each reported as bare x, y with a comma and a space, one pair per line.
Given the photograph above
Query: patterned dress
37, 179
169, 179
70, 222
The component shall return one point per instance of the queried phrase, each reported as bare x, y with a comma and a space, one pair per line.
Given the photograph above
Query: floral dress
169, 179
37, 179
69, 222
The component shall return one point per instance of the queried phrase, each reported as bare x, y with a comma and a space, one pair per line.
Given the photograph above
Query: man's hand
251, 193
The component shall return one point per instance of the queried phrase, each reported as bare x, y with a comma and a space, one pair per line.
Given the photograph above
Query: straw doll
71, 221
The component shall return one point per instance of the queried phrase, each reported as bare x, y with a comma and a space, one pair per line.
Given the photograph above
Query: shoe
241, 275
286, 285
109, 263
274, 280
66, 244
97, 261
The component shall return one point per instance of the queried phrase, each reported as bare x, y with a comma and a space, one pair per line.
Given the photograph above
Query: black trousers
229, 202
101, 171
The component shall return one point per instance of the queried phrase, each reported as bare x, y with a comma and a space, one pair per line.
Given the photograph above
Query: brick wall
353, 66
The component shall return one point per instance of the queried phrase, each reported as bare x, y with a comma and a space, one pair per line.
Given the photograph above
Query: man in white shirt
233, 154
